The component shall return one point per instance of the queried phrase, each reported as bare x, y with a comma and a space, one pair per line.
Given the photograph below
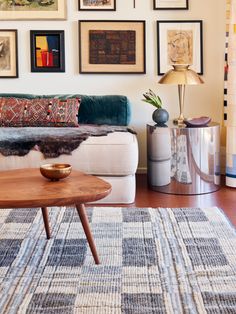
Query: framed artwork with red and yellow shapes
47, 51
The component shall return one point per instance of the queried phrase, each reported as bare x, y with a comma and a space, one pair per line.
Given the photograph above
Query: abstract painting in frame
33, 10
112, 47
8, 53
170, 4
47, 51
94, 5
179, 42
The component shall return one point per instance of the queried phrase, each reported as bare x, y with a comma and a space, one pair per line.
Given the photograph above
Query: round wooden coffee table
23, 188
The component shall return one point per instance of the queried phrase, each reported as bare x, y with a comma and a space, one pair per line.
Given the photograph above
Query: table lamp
181, 75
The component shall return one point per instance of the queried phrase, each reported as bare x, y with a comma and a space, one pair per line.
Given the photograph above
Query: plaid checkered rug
152, 261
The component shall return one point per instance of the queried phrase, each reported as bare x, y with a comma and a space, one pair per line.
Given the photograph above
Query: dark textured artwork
112, 47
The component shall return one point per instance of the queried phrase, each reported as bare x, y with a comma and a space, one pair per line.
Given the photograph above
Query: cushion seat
114, 154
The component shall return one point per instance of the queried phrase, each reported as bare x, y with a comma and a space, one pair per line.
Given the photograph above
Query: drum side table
183, 160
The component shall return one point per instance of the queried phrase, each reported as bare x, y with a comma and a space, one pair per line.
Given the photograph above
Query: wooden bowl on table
55, 172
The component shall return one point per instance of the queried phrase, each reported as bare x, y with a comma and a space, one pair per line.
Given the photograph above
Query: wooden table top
28, 188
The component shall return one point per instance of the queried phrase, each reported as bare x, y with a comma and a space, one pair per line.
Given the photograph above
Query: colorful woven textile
12, 111
152, 261
39, 112
230, 93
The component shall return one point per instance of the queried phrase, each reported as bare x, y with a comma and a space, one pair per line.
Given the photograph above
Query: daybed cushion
113, 155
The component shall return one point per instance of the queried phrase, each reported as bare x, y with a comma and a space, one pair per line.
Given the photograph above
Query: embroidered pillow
12, 111
63, 112
52, 112
41, 112
36, 112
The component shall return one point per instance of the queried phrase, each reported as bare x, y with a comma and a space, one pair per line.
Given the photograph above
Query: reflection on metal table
183, 160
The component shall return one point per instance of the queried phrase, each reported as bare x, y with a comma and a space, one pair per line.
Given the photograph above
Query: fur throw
52, 142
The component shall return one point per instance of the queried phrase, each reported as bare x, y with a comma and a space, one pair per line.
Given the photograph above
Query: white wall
200, 100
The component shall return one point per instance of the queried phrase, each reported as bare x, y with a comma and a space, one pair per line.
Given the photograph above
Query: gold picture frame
8, 53
112, 46
53, 10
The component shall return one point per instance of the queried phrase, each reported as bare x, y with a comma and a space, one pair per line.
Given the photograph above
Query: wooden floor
225, 198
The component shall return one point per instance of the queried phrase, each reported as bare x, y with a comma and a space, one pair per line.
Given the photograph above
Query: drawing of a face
5, 61
1, 48
180, 47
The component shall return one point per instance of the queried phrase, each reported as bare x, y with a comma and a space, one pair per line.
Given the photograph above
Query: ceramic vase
160, 116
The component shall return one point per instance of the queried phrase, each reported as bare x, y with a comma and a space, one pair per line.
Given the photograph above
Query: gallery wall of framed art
110, 46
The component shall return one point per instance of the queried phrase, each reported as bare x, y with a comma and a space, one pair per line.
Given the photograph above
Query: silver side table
183, 160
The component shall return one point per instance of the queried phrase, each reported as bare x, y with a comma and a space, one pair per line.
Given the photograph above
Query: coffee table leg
45, 220
85, 223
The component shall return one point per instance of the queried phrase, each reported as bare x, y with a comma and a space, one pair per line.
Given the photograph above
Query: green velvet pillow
112, 110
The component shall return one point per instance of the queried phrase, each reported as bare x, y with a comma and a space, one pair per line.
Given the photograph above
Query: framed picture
170, 4
179, 42
8, 53
112, 47
33, 10
94, 5
47, 51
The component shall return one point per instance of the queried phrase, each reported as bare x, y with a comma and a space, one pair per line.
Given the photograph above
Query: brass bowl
55, 172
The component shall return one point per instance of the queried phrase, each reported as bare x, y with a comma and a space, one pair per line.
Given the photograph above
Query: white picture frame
170, 4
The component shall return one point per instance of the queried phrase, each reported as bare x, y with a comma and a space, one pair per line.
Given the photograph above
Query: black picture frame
101, 7
9, 53
172, 34
124, 59
47, 50
168, 5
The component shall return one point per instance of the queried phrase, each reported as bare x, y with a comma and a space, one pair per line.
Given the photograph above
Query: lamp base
179, 121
